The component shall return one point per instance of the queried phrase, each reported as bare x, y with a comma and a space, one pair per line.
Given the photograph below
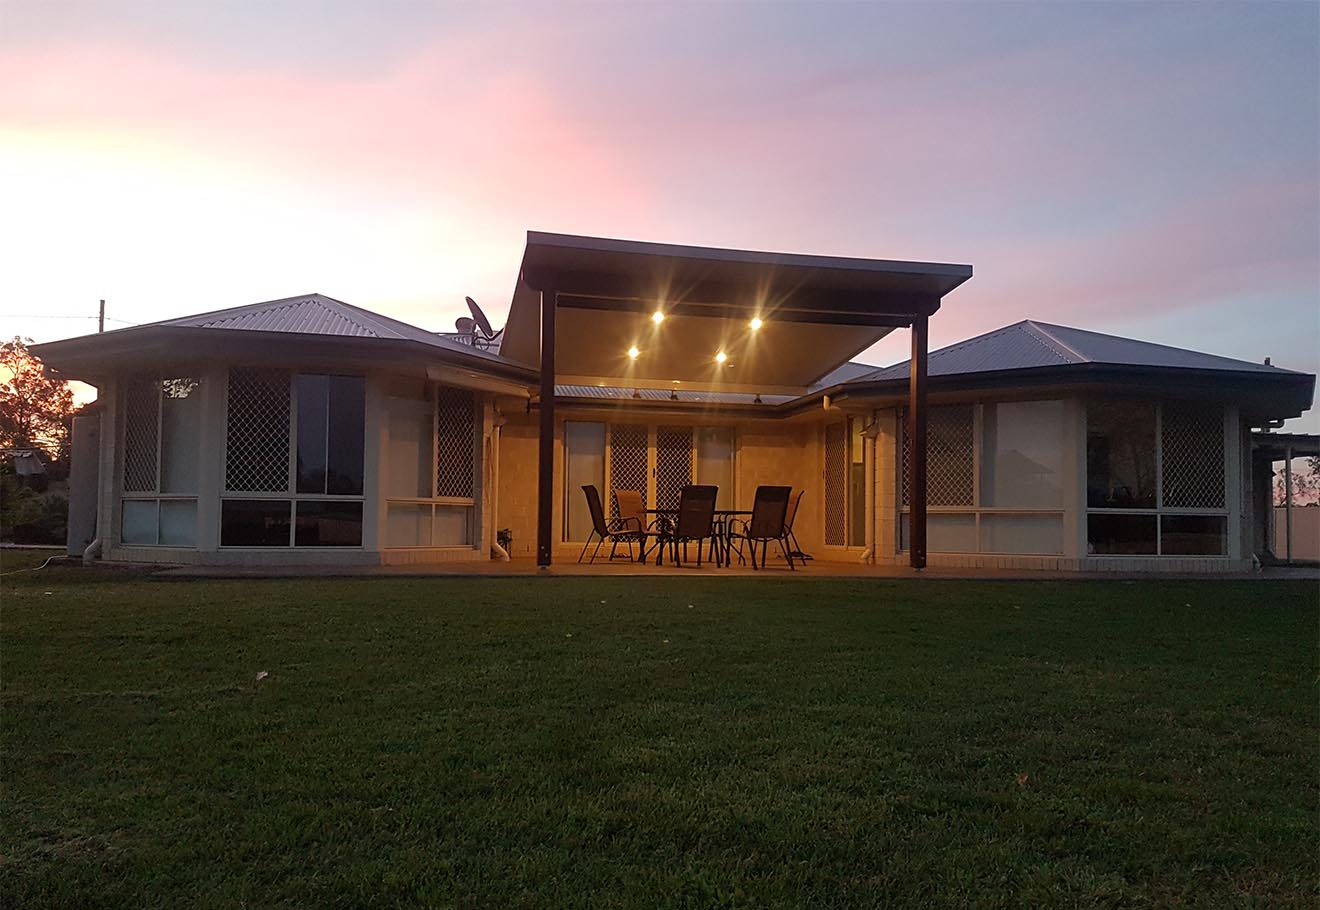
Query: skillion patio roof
588, 309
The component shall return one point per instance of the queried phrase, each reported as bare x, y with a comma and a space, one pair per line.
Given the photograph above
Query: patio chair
768, 522
628, 530
795, 548
695, 521
631, 505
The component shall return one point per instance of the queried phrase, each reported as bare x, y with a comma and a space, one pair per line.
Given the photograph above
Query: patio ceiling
817, 311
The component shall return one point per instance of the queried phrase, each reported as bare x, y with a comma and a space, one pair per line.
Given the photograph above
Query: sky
1147, 170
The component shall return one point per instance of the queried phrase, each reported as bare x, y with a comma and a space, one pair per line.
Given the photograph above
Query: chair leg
585, 545
783, 545
596, 552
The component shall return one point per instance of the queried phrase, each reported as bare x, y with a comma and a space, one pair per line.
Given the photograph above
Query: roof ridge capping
194, 318
1078, 345
1060, 347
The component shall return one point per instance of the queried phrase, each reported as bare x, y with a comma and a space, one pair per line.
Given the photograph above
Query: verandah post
545, 464
916, 431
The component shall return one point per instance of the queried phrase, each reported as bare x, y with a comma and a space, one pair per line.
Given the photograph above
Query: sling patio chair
768, 522
794, 548
695, 521
630, 506
626, 529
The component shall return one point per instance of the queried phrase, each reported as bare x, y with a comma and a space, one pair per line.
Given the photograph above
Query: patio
594, 312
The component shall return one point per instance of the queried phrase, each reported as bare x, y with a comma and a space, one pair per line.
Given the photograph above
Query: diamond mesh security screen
257, 431
673, 464
455, 442
836, 483
141, 428
1192, 437
948, 457
627, 460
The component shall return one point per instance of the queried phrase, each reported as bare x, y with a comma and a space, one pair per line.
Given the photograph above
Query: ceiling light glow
633, 352
658, 317
721, 357
756, 323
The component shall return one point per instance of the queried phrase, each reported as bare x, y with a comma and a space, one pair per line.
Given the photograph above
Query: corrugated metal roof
317, 314
1100, 348
613, 393
313, 315
841, 374
1031, 345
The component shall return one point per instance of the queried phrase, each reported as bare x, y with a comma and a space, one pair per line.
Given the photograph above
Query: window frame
155, 495
290, 493
436, 502
976, 510
1160, 510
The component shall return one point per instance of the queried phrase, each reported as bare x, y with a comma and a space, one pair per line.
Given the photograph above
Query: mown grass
657, 743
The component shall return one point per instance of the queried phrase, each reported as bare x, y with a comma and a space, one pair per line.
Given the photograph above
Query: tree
1305, 484
35, 410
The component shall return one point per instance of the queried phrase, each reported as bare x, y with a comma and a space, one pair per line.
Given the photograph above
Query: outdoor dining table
723, 534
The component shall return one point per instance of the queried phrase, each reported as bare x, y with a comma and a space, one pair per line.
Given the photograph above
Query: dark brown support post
545, 463
916, 430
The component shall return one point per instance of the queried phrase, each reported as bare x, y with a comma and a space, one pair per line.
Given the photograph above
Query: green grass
657, 743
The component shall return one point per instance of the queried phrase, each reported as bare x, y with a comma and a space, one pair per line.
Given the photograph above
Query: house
307, 431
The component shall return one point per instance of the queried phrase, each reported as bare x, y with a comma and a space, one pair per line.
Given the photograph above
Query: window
1022, 454
584, 464
327, 523
1120, 455
950, 472
162, 426
432, 456
330, 420
1155, 479
255, 522
994, 480
294, 447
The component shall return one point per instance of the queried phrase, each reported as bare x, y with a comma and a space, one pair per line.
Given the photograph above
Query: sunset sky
1142, 169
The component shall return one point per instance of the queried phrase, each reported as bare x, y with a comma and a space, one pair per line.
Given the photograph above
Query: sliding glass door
655, 460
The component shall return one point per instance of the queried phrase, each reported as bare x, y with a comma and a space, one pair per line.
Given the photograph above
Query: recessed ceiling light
658, 317
633, 352
721, 357
756, 323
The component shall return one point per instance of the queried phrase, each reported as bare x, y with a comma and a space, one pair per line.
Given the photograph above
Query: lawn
657, 743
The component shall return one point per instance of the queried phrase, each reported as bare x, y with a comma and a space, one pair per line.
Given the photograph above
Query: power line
57, 316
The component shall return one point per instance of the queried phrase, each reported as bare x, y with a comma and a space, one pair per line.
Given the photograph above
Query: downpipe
92, 551
496, 551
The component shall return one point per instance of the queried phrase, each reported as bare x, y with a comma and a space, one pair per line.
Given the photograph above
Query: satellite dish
480, 318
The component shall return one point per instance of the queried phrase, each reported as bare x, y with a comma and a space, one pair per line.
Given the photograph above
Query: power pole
100, 321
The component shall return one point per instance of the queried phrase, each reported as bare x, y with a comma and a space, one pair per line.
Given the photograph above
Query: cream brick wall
517, 481
780, 454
